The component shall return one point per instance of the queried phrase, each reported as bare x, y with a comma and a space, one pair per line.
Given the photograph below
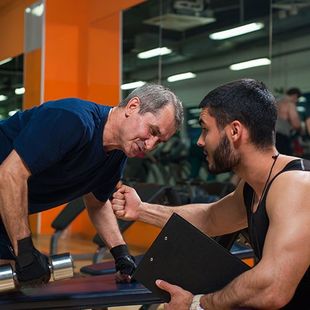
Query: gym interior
100, 51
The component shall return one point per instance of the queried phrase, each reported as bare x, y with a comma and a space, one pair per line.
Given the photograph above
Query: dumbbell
61, 267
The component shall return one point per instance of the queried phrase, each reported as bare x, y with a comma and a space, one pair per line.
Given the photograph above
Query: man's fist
32, 267
126, 203
124, 263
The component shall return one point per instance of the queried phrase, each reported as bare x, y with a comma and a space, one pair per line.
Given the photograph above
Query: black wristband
119, 251
25, 249
25, 245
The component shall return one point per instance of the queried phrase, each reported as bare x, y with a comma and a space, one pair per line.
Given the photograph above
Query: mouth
140, 146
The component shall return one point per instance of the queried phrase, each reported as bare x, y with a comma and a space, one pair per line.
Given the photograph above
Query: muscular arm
286, 254
14, 198
215, 219
104, 220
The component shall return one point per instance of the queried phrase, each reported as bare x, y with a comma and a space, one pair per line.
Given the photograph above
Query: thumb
170, 288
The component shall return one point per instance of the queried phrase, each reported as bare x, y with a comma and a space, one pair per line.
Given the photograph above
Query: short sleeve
104, 192
48, 136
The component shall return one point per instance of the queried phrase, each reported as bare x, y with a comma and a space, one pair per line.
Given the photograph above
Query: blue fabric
61, 142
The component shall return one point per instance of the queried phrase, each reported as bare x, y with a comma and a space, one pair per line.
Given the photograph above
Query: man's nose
151, 143
200, 141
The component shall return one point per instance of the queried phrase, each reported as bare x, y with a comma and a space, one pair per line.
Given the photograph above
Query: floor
81, 250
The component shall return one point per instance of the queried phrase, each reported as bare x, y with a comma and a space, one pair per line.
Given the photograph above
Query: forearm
106, 224
158, 215
250, 290
14, 207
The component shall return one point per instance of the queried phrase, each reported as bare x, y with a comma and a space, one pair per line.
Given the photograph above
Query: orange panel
12, 28
32, 79
82, 59
104, 62
140, 236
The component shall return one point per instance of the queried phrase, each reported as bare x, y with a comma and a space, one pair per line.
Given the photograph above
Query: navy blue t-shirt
61, 142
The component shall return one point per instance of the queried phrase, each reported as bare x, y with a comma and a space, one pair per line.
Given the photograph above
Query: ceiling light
38, 10
132, 85
250, 63
181, 76
154, 52
4, 61
2, 97
19, 91
237, 31
11, 113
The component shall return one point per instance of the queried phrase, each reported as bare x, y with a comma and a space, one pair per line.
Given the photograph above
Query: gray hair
154, 97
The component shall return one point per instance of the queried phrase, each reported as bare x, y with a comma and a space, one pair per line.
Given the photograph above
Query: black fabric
32, 267
258, 225
181, 254
124, 262
120, 250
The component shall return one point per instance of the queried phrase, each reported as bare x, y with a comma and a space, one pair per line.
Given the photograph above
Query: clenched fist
126, 203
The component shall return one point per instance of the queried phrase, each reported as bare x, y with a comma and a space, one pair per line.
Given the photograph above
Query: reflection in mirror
206, 43
290, 75
11, 86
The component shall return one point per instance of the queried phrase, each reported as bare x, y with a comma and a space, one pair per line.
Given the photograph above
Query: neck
109, 136
256, 167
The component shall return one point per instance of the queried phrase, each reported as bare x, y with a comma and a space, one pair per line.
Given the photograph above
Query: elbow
277, 297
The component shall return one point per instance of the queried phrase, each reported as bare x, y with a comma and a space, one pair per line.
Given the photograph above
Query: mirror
273, 48
11, 86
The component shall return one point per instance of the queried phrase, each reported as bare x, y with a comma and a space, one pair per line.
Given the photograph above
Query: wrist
195, 305
119, 251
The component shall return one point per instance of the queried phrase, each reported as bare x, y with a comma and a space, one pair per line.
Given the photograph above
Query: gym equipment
79, 293
64, 219
61, 267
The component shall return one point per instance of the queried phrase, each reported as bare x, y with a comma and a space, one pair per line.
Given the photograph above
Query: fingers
170, 288
122, 278
120, 214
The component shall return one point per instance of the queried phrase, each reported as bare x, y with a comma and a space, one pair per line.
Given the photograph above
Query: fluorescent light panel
11, 113
19, 91
181, 76
4, 61
132, 85
2, 97
237, 31
154, 52
250, 64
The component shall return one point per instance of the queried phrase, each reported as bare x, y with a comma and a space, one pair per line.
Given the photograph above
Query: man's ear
132, 106
235, 130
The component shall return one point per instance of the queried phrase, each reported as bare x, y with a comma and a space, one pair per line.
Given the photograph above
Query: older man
69, 148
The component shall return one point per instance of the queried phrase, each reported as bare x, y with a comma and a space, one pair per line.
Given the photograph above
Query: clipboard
183, 255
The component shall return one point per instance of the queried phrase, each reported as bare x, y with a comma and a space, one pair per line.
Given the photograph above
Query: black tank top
258, 223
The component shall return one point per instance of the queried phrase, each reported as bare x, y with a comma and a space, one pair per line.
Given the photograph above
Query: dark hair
248, 101
294, 91
154, 97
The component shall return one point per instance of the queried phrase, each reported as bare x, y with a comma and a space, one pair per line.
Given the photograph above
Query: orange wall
32, 78
12, 28
82, 59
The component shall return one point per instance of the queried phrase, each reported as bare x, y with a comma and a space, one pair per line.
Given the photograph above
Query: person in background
288, 121
67, 148
271, 200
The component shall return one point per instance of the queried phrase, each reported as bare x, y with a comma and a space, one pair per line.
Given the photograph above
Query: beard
224, 159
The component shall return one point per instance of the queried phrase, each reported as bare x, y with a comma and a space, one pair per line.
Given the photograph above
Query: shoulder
289, 191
